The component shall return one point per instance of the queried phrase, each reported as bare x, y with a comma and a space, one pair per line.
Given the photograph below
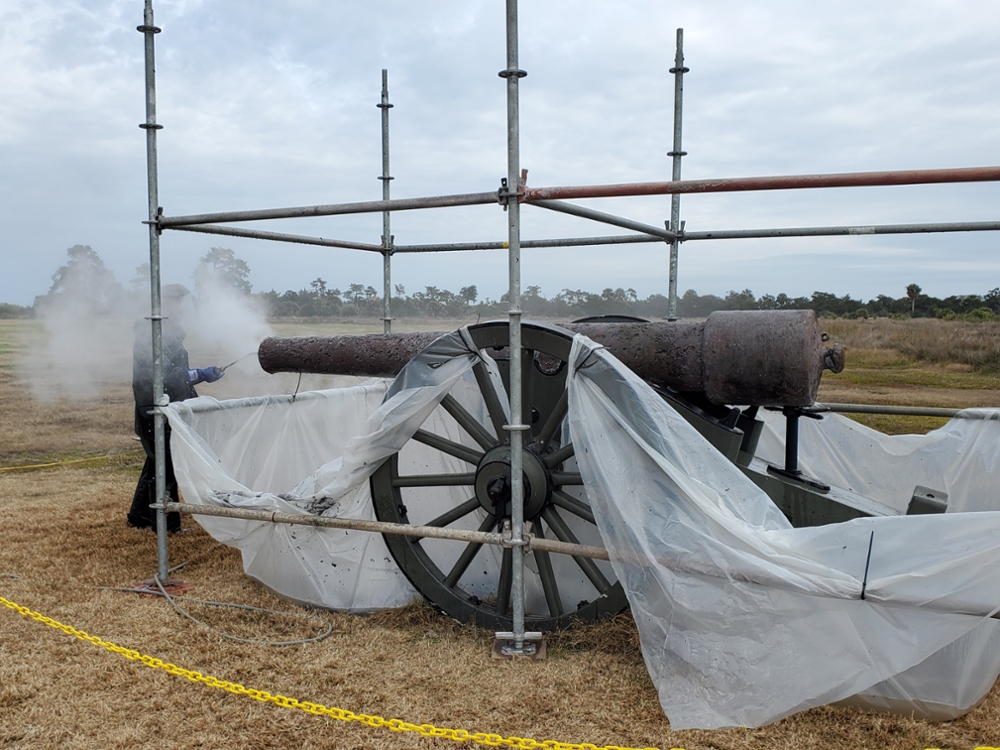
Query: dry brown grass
976, 344
918, 362
62, 534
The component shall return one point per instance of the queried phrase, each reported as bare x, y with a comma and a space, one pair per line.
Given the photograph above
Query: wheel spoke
455, 513
448, 446
565, 534
558, 456
554, 421
573, 505
546, 574
468, 423
505, 583
560, 478
492, 399
470, 551
434, 480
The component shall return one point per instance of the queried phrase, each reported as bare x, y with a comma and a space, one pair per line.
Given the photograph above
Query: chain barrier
67, 463
318, 709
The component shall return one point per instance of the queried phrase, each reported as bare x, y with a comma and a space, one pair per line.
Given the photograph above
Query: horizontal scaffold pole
616, 239
533, 543
332, 209
782, 182
719, 234
532, 195
382, 527
861, 229
907, 411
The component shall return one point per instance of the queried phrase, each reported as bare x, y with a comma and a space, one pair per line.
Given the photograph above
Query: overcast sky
273, 104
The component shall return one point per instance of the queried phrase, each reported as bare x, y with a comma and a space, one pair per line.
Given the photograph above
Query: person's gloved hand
204, 375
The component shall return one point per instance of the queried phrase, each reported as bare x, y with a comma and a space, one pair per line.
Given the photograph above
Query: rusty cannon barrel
766, 358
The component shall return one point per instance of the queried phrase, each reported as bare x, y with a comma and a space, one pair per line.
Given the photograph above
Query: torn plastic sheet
743, 619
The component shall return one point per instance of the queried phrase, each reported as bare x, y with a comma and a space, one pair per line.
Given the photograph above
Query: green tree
913, 292
84, 285
318, 287
9, 311
992, 300
741, 300
221, 267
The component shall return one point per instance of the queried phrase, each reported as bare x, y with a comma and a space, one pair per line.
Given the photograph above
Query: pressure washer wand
237, 360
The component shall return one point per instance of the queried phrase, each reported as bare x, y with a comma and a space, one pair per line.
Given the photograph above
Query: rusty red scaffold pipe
767, 358
780, 182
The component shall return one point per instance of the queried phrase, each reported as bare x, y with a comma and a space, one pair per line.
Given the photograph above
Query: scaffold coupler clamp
504, 192
159, 214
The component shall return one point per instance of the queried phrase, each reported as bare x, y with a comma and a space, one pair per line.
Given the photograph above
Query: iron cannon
734, 357
717, 373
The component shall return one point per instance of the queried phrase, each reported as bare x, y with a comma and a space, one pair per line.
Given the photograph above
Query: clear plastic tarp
743, 619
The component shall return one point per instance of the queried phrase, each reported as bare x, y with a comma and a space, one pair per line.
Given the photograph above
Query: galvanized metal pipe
258, 234
589, 213
530, 195
618, 239
377, 527
205, 406
718, 234
382, 527
513, 75
909, 411
532, 543
676, 153
858, 229
385, 106
332, 209
149, 30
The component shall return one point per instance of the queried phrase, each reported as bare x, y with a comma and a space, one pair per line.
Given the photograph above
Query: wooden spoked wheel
467, 485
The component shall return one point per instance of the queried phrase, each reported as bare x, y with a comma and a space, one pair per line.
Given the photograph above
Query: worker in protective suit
179, 380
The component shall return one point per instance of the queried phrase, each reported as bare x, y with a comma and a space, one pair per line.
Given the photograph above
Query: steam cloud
88, 322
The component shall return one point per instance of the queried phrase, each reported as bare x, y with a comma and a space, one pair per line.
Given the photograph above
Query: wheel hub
493, 482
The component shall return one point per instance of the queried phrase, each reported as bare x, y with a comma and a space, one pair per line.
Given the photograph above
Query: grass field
64, 542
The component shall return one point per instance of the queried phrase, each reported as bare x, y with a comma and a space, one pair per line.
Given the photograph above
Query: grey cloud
273, 104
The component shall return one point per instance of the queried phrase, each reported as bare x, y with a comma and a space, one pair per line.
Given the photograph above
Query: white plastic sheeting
275, 454
743, 619
252, 454
962, 458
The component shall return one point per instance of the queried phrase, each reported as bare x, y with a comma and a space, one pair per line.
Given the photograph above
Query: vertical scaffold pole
386, 235
513, 75
149, 30
675, 200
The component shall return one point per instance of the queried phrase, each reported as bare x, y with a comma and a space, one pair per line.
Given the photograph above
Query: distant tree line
96, 292
365, 301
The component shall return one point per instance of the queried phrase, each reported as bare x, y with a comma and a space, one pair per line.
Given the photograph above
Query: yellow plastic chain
340, 714
67, 463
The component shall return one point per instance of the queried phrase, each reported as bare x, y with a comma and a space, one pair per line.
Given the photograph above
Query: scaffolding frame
511, 195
